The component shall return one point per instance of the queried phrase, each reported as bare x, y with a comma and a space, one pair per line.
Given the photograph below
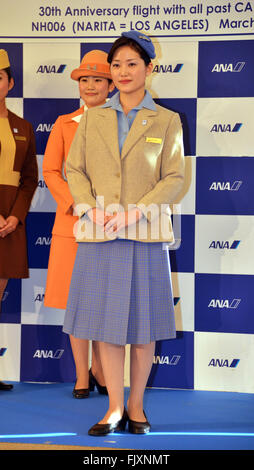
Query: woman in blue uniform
124, 168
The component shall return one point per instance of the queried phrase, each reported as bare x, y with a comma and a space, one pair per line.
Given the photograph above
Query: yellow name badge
19, 137
154, 140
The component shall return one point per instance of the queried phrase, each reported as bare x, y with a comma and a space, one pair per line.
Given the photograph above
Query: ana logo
43, 241
39, 298
166, 360
169, 68
43, 127
42, 184
226, 127
224, 363
225, 186
225, 245
48, 354
220, 303
51, 69
229, 67
2, 351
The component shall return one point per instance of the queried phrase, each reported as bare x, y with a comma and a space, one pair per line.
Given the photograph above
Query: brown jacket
18, 182
16, 200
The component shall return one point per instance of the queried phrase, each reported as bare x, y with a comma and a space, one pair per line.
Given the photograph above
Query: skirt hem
117, 342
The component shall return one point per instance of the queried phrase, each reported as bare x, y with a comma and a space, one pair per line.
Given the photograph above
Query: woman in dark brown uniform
18, 181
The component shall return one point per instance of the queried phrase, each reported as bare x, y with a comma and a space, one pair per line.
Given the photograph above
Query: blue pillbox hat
143, 41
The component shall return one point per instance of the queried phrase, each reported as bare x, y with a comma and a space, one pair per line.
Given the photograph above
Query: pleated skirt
121, 293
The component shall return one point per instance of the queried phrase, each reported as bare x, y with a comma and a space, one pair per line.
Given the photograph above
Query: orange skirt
61, 262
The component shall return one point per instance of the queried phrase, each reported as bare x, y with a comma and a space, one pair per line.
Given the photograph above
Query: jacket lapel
107, 125
76, 115
143, 121
108, 128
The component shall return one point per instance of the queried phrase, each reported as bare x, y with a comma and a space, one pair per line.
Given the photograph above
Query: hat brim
4, 60
78, 73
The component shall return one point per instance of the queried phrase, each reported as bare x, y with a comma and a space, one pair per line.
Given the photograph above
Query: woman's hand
123, 219
2, 222
9, 226
98, 216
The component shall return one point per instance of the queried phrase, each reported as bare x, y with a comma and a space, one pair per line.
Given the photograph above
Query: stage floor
181, 419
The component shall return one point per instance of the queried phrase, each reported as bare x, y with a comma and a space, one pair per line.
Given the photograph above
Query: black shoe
108, 428
5, 387
94, 383
137, 427
80, 392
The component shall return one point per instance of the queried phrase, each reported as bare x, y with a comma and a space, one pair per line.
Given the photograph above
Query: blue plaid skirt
121, 293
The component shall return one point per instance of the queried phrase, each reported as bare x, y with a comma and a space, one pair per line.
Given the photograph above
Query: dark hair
124, 41
9, 74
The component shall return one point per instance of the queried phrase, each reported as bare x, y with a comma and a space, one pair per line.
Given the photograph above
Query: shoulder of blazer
97, 116
67, 118
19, 123
162, 111
99, 111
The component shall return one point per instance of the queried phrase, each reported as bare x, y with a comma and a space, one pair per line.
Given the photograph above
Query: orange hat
95, 64
4, 59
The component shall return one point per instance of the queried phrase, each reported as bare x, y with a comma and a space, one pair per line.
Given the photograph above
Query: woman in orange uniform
18, 182
93, 76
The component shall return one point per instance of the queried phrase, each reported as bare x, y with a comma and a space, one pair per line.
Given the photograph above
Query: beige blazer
148, 174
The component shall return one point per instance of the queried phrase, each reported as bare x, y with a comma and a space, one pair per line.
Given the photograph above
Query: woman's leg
112, 358
3, 284
80, 353
80, 350
141, 360
96, 366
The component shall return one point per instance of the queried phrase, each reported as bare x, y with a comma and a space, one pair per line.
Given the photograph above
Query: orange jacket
54, 171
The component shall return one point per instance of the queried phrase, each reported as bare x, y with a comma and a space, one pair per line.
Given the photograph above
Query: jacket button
118, 175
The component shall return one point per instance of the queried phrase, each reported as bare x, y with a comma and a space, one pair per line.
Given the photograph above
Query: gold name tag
154, 140
19, 137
